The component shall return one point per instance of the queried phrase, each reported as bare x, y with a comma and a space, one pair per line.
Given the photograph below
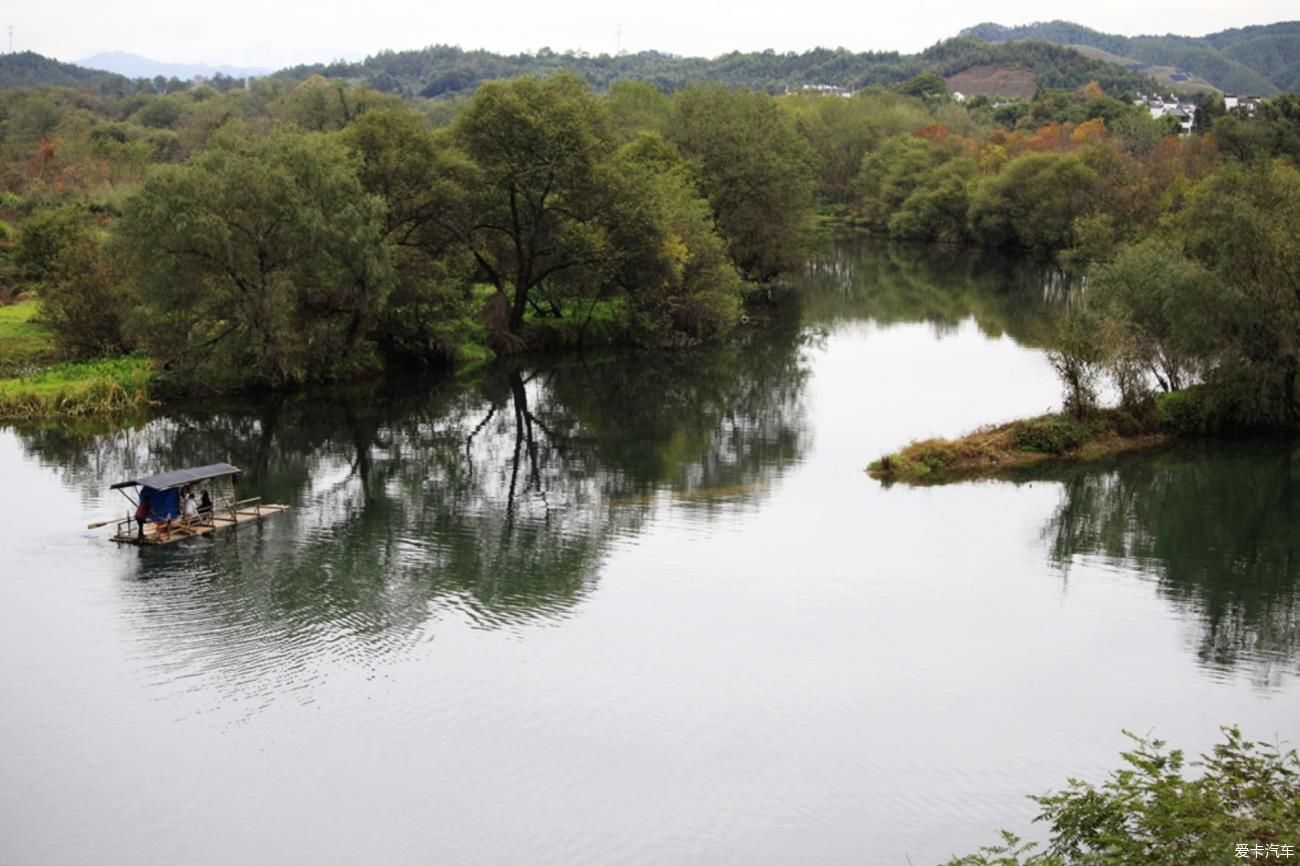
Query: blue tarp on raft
163, 504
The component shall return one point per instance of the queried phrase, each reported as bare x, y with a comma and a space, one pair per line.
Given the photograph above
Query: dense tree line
294, 231
301, 232
1187, 242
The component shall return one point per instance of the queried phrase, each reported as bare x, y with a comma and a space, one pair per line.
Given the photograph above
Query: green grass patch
473, 353
113, 386
25, 343
582, 324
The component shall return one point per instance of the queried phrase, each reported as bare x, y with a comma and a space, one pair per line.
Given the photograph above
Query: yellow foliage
993, 158
677, 254
1090, 132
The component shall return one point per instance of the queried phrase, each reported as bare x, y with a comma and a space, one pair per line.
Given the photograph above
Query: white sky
267, 33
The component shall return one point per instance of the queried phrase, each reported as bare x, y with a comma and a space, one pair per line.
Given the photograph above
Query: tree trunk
518, 307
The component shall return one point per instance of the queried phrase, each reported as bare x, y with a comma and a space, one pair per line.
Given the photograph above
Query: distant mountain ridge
29, 69
1261, 60
135, 66
1255, 60
444, 70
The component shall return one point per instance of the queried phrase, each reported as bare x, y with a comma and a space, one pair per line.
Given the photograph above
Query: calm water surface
635, 610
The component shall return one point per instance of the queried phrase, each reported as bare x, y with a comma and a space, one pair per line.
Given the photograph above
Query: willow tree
539, 197
754, 168
261, 260
1243, 223
680, 282
416, 176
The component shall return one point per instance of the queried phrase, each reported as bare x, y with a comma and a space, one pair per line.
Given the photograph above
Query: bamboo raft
176, 529
169, 511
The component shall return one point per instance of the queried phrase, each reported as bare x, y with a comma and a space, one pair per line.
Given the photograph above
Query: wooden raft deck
248, 511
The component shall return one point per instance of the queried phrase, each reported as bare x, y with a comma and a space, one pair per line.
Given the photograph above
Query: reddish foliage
935, 133
41, 166
1051, 137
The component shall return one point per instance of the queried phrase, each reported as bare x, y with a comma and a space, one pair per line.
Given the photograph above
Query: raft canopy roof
180, 477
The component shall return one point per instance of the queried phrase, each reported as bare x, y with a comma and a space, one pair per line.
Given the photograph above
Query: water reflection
495, 503
1218, 528
486, 589
863, 278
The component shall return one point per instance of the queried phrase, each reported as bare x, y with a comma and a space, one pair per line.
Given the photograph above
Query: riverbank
995, 450
114, 386
26, 344
33, 387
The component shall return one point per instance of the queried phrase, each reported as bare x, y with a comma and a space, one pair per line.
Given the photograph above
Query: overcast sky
267, 33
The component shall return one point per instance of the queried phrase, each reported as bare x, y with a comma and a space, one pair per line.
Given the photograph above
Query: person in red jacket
141, 515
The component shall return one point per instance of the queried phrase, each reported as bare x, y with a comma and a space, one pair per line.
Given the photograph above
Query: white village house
1184, 112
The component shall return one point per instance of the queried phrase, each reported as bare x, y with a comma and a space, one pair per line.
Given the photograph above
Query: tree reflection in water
1217, 526
496, 503
866, 278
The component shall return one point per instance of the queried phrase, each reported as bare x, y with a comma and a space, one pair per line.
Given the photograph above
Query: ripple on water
263, 613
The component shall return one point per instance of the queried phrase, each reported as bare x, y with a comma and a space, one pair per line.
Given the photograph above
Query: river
635, 609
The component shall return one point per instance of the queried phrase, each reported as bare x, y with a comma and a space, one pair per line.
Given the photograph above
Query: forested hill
1260, 60
29, 69
443, 70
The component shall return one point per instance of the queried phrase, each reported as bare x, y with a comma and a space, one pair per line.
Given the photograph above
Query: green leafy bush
1052, 434
1245, 794
1191, 412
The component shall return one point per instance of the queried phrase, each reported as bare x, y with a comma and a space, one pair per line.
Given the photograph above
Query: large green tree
539, 193
1033, 202
757, 172
681, 284
1243, 223
889, 175
416, 176
1163, 308
260, 260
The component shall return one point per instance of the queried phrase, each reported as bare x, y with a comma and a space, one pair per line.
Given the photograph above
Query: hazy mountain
135, 66
1259, 60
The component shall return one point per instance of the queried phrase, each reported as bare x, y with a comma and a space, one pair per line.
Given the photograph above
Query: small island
997, 450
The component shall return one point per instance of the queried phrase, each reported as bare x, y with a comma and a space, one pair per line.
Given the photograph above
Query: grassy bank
77, 390
33, 387
992, 451
26, 344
